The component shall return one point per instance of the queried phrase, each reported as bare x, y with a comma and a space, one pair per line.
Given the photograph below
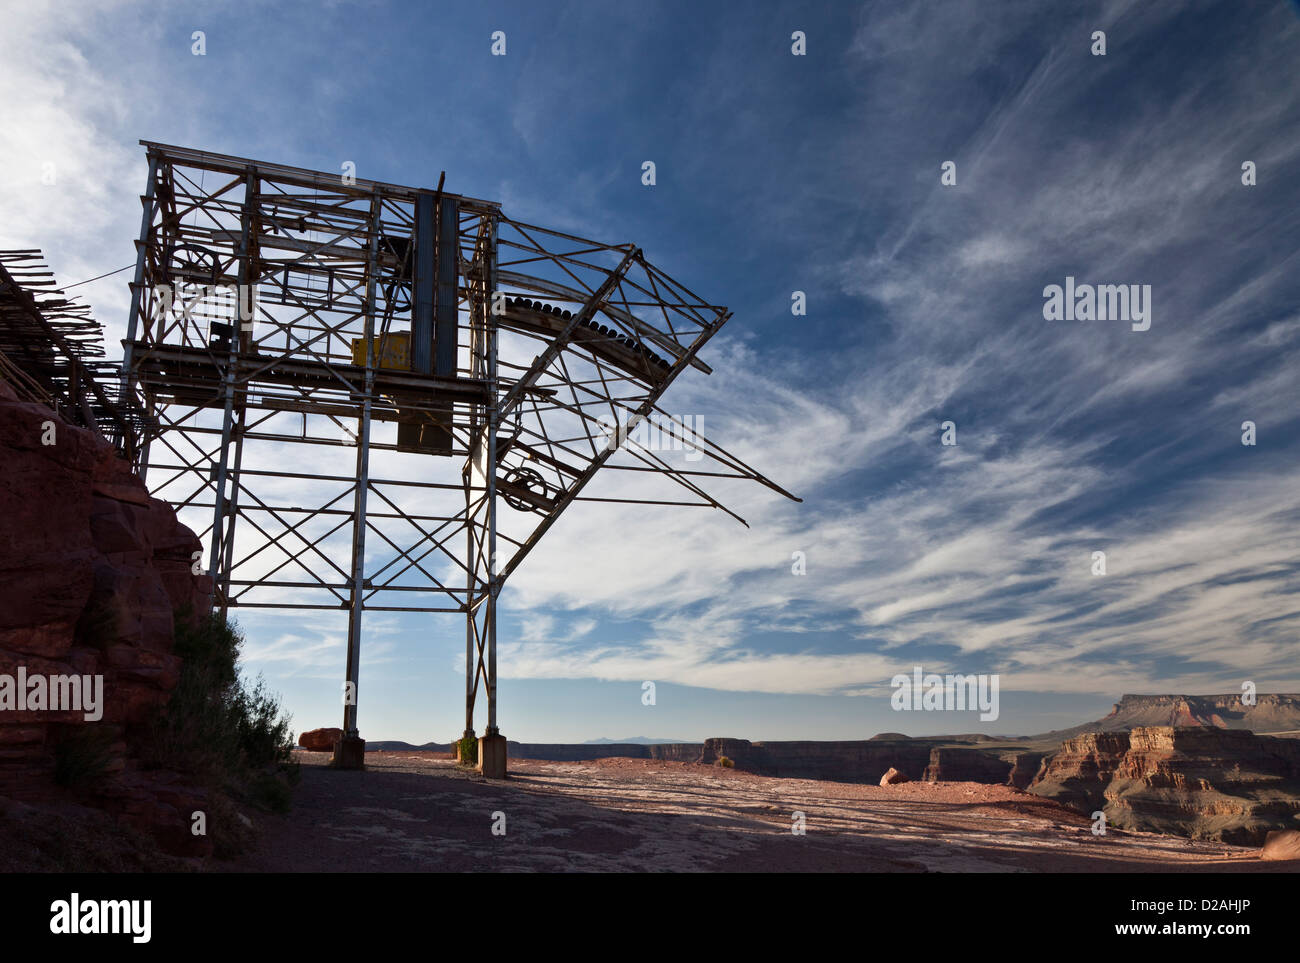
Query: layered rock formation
92, 571
1278, 712
961, 764
1024, 767
1206, 783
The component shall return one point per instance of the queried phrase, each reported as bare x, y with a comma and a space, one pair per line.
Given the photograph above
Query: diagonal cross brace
543, 360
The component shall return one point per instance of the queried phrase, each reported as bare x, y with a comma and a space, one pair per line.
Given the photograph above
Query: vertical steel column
133, 320
494, 413
229, 542
220, 508
245, 279
479, 307
363, 484
471, 580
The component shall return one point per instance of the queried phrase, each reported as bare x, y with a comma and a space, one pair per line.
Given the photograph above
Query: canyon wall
847, 761
961, 764
857, 761
866, 761
1206, 783
674, 752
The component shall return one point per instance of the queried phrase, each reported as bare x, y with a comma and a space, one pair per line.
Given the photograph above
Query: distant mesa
394, 745
1270, 714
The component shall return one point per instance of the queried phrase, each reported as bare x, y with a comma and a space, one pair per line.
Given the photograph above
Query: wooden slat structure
52, 352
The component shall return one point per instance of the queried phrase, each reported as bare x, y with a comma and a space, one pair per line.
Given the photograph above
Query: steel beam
356, 607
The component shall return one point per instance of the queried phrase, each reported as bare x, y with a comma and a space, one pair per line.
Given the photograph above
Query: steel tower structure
468, 362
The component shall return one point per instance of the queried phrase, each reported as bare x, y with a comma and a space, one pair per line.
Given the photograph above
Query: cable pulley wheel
528, 479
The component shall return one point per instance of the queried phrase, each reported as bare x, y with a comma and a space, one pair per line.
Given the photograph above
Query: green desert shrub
264, 734
231, 734
467, 750
725, 763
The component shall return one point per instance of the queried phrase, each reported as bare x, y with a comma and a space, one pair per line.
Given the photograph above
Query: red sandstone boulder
1281, 844
320, 740
892, 778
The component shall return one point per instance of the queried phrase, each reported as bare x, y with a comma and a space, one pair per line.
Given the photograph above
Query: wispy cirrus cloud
821, 175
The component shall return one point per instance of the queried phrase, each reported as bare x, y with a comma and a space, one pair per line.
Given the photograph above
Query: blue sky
818, 173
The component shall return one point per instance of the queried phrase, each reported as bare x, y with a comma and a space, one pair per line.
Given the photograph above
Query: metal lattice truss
365, 396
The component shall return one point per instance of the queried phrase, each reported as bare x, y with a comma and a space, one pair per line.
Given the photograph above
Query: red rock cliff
91, 571
1231, 785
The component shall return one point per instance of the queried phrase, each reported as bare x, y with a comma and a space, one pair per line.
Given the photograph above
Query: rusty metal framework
476, 372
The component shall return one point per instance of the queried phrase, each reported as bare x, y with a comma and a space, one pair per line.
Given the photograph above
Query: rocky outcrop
994, 767
676, 751
893, 777
92, 572
1229, 785
1024, 767
1078, 774
1281, 845
958, 764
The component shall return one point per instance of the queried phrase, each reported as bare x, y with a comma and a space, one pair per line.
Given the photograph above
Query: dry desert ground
418, 811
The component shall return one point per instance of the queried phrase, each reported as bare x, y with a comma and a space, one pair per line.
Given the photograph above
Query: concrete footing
349, 753
492, 756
